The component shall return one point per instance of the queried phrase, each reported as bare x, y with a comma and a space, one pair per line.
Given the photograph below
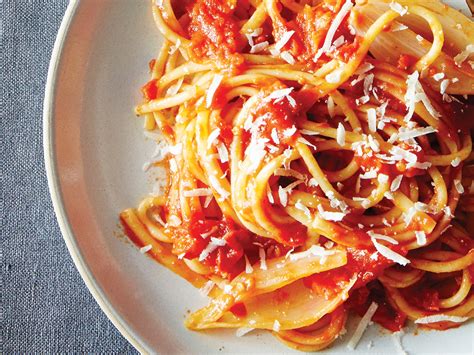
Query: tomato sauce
386, 315
150, 90
214, 32
239, 310
227, 260
280, 115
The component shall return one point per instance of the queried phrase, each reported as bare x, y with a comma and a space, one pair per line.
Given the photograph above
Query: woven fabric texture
46, 307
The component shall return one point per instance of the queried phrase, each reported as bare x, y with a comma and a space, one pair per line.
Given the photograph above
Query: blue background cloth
46, 306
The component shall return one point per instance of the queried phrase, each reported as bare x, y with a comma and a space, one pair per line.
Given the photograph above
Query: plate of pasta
297, 171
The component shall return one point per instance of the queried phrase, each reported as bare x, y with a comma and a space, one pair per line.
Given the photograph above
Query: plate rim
54, 185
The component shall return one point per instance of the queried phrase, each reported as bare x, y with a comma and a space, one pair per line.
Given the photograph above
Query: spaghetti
319, 159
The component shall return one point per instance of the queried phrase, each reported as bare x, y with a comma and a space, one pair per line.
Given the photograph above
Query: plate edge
54, 188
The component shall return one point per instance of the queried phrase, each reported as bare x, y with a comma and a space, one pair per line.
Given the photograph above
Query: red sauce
406, 61
385, 315
227, 260
239, 310
280, 116
150, 90
214, 32
359, 263
151, 64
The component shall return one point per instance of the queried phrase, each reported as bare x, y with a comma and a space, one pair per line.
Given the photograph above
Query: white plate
94, 151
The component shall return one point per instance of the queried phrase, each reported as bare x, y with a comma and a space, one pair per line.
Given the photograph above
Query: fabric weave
46, 307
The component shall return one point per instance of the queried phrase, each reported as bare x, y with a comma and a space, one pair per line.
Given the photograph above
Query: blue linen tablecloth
46, 307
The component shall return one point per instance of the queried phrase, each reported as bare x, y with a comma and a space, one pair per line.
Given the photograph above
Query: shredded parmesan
372, 119
420, 237
259, 47
345, 9
315, 250
330, 216
248, 266
240, 332
283, 40
216, 81
283, 196
397, 26
145, 249
302, 207
461, 57
438, 76
207, 288
341, 134
287, 57
440, 318
455, 162
362, 326
263, 262
223, 153
401, 10
197, 192
389, 253
330, 104
374, 235
458, 186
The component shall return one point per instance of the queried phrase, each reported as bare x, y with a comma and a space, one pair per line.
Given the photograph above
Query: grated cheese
440, 318
461, 57
315, 250
207, 288
174, 221
372, 119
248, 266
213, 245
282, 194
276, 326
397, 26
287, 57
362, 326
458, 186
389, 253
283, 40
341, 134
223, 153
145, 249
371, 174
240, 332
263, 262
345, 9
374, 235
302, 207
197, 192
401, 10
438, 76
274, 136
455, 162
330, 103
216, 81
443, 86
420, 237
259, 47
330, 216
219, 189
